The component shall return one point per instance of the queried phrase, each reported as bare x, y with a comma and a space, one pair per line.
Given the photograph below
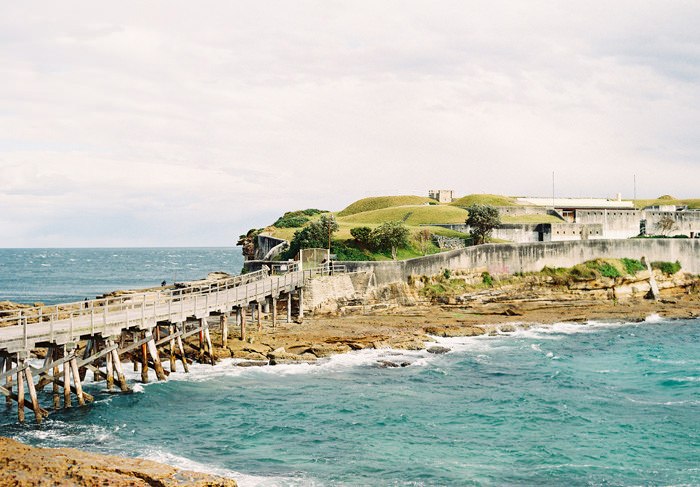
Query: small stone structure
441, 195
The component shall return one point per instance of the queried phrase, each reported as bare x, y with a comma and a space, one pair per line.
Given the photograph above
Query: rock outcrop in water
22, 465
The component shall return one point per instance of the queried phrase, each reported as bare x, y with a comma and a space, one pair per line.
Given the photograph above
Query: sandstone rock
251, 363
507, 329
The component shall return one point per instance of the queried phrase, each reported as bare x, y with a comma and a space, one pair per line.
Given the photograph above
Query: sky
172, 123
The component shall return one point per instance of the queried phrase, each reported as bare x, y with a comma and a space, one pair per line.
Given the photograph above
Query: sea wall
532, 257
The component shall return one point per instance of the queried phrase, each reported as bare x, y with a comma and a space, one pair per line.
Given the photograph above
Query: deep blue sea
570, 404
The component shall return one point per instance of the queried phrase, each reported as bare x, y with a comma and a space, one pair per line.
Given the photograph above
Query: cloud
170, 123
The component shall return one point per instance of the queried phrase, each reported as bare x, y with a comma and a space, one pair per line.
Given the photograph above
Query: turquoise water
595, 404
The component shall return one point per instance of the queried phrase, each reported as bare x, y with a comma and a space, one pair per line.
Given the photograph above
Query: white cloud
179, 123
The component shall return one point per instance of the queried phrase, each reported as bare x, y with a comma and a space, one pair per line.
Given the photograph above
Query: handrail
104, 314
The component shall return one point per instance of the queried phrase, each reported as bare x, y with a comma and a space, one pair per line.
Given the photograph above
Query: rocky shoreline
399, 317
24, 466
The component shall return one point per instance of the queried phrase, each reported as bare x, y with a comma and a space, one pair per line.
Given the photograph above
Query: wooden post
76, 381
120, 373
210, 349
274, 312
32, 395
259, 310
223, 319
289, 307
241, 314
153, 351
144, 364
171, 332
54, 385
110, 372
66, 383
182, 354
20, 395
8, 381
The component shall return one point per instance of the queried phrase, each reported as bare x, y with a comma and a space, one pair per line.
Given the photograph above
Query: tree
390, 236
424, 236
482, 220
362, 235
316, 235
666, 225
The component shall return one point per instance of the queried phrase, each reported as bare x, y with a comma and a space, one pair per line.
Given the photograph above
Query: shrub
446, 273
632, 266
667, 268
390, 236
344, 251
608, 270
487, 279
291, 222
362, 235
315, 235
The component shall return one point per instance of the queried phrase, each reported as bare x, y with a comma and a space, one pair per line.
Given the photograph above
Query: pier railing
109, 315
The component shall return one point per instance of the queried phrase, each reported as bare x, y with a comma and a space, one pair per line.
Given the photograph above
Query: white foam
244, 480
654, 318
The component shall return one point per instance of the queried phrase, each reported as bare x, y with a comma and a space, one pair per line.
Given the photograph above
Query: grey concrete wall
616, 223
532, 257
265, 245
687, 222
523, 210
576, 231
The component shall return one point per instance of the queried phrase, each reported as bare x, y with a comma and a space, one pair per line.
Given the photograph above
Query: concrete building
441, 195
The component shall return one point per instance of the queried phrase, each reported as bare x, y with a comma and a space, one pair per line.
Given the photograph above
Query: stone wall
532, 257
686, 222
615, 223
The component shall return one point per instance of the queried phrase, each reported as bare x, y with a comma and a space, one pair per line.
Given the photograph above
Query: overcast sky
186, 123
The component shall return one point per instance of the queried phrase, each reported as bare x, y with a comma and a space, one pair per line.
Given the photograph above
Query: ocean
570, 404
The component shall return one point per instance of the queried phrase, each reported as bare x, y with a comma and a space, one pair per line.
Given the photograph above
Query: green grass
484, 199
691, 203
667, 268
411, 215
380, 202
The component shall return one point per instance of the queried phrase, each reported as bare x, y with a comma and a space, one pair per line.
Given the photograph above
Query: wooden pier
96, 336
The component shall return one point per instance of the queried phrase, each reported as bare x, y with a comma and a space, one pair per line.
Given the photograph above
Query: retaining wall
532, 257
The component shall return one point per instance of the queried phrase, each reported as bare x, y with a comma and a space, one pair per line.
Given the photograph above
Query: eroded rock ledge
22, 465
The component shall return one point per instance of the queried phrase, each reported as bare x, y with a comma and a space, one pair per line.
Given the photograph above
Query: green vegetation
412, 215
482, 220
296, 219
667, 268
486, 279
316, 235
484, 199
380, 202
632, 266
668, 200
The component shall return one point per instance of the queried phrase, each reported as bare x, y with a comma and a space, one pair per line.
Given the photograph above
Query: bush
295, 219
390, 236
315, 235
446, 273
291, 222
608, 270
487, 279
345, 251
667, 268
632, 266
362, 235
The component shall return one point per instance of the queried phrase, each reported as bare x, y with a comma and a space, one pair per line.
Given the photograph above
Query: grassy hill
484, 199
668, 200
412, 215
379, 202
